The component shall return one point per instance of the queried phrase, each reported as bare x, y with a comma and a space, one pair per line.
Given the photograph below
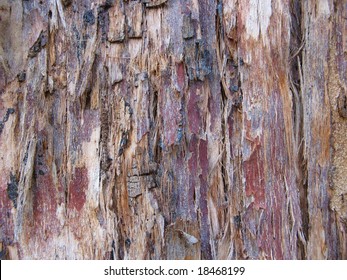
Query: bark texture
173, 129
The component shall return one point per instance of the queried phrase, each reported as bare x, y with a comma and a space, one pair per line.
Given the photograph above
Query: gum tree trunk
173, 129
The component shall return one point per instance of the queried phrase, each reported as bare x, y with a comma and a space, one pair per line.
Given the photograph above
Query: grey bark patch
138, 177
103, 21
123, 143
237, 221
198, 60
21, 76
342, 105
12, 189
127, 243
5, 119
187, 27
134, 188
234, 88
89, 17
3, 254
38, 45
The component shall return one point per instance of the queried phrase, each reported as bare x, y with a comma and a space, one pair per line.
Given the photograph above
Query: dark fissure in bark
12, 189
296, 46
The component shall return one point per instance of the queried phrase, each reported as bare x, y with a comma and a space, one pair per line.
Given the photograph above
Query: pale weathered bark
173, 129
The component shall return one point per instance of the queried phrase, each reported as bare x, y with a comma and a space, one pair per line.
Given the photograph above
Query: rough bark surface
173, 129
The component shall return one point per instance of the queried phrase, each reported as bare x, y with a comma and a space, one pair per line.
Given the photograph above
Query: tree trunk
173, 129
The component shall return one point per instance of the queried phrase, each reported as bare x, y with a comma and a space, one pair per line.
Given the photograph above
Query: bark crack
297, 42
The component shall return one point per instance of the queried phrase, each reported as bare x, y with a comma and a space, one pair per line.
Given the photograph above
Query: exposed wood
173, 129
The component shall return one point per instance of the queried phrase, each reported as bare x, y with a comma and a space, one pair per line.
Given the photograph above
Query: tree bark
173, 129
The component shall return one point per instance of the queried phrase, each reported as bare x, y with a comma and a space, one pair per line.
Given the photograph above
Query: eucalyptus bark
173, 129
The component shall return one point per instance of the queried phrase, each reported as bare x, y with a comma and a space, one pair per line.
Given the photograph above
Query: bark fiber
173, 129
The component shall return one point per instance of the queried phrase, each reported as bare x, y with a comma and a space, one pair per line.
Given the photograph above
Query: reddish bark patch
271, 235
254, 172
44, 201
77, 188
180, 75
44, 190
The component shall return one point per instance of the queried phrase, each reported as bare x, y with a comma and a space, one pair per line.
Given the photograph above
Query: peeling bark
173, 129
